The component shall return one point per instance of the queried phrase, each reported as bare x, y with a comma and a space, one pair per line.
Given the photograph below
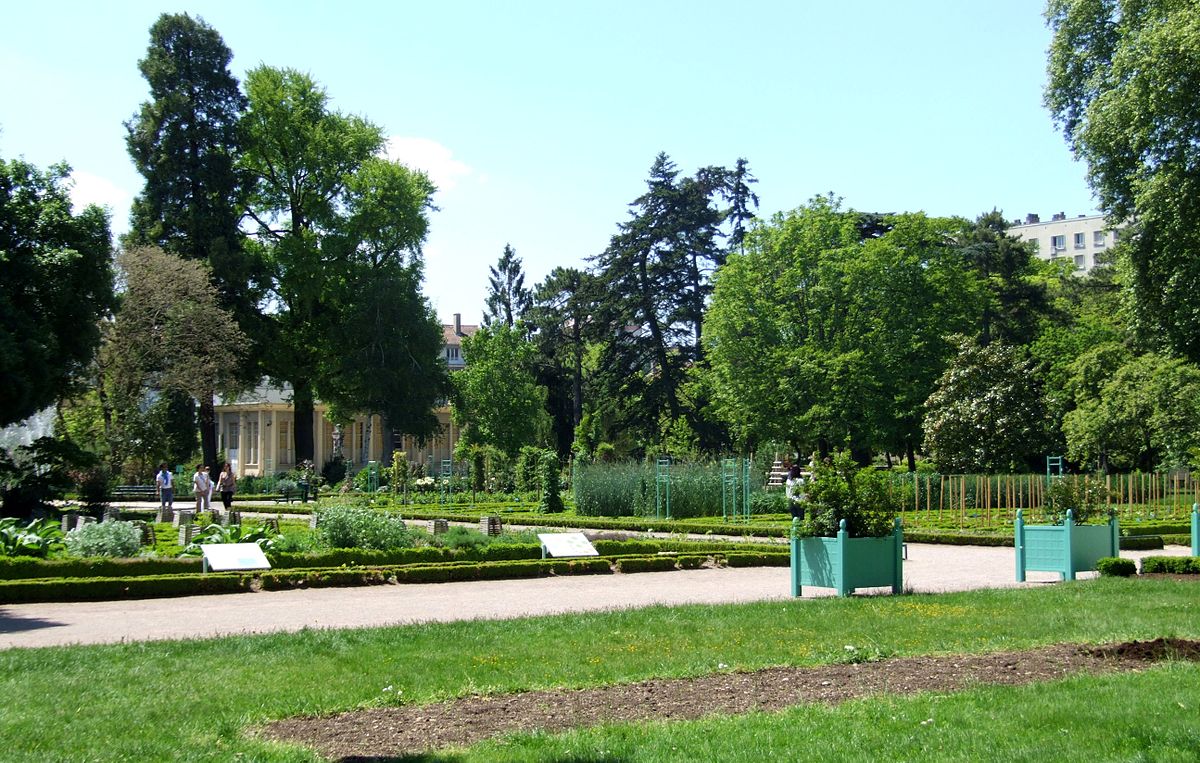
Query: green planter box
1066, 549
1195, 529
847, 563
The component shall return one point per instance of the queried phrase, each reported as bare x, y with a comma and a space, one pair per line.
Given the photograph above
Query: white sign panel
234, 556
567, 544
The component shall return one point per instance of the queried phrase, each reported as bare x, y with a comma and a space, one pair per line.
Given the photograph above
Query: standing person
201, 487
227, 484
165, 482
794, 488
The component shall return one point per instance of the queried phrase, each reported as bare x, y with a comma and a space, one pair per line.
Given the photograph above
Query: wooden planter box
847, 563
1066, 549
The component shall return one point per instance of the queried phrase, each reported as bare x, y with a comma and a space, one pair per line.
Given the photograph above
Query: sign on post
566, 544
233, 556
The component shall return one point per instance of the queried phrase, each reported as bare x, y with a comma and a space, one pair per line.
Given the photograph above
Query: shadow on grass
11, 624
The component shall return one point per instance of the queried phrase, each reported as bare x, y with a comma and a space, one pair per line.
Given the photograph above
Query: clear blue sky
540, 120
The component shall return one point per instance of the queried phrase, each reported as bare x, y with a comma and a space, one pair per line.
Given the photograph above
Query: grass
192, 700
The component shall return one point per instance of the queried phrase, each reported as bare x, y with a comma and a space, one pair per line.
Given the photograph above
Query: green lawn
192, 700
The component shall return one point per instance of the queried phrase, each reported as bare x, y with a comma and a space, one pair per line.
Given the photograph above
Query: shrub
344, 526
1174, 565
1141, 542
91, 483
528, 468
334, 471
551, 478
763, 502
841, 490
1112, 566
104, 539
1083, 497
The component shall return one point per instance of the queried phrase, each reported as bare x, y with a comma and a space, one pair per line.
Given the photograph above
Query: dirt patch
395, 731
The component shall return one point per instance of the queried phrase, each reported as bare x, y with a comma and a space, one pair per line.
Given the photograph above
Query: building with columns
256, 430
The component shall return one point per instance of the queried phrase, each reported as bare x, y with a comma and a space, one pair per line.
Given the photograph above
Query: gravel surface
929, 568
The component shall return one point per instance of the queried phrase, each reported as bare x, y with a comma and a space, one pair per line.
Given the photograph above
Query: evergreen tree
185, 142
508, 300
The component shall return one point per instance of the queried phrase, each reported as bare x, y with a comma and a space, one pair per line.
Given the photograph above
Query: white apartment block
1080, 239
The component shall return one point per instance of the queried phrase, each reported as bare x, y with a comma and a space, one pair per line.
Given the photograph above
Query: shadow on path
12, 624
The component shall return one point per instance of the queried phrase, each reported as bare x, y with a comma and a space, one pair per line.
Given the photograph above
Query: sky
539, 121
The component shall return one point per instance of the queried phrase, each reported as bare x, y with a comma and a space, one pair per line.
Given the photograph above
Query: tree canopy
56, 283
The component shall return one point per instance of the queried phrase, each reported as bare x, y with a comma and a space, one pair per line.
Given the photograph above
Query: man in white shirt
201, 488
165, 482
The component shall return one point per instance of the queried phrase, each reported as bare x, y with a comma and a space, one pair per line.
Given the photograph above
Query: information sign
233, 556
566, 544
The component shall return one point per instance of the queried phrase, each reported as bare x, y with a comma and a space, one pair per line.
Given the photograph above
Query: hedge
1140, 542
25, 568
646, 564
747, 559
1112, 566
107, 589
1177, 565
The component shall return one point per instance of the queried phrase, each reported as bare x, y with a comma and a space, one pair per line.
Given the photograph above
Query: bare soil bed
410, 729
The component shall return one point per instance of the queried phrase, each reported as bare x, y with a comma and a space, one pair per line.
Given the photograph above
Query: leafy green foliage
841, 490
1122, 86
345, 526
1112, 566
36, 474
505, 415
1174, 565
1084, 497
55, 284
32, 539
507, 300
116, 539
246, 533
551, 483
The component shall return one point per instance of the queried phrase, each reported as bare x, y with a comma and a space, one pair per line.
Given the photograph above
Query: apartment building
1084, 240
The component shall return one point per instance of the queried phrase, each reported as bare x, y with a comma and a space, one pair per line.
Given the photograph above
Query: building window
251, 442
1081, 262
1079, 241
1058, 243
1098, 238
1116, 236
285, 443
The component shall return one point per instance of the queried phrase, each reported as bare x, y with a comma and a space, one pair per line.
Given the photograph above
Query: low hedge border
158, 586
1172, 565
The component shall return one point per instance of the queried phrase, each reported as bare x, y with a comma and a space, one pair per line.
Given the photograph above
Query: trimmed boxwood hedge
646, 564
108, 589
1113, 566
24, 568
1141, 542
764, 559
1176, 565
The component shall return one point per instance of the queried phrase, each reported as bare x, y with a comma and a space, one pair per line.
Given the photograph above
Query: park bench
287, 495
134, 493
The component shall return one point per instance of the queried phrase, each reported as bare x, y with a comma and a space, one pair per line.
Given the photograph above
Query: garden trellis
974, 499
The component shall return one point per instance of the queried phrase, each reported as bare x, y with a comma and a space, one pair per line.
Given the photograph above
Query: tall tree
333, 218
561, 307
170, 335
1016, 300
185, 141
55, 284
506, 415
508, 300
1122, 86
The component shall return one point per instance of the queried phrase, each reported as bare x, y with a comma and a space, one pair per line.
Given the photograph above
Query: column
241, 445
262, 446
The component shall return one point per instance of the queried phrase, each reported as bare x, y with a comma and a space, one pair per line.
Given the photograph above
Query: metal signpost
662, 487
447, 489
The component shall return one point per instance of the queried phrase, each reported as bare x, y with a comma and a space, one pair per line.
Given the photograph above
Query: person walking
165, 482
201, 488
227, 485
794, 488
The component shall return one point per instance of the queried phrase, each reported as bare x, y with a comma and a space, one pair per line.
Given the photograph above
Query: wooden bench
134, 493
287, 496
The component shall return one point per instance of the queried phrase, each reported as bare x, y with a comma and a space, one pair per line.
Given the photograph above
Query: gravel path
929, 568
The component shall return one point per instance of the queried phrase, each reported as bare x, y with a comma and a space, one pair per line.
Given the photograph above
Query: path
929, 569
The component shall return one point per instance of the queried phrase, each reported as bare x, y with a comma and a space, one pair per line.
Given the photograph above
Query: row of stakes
184, 519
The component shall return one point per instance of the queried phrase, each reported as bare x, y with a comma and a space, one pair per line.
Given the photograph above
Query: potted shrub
1081, 531
850, 537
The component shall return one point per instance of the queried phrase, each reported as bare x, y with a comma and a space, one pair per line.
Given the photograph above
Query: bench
134, 493
287, 496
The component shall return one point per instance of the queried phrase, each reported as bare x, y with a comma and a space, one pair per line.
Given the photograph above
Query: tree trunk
302, 407
208, 432
911, 454
387, 441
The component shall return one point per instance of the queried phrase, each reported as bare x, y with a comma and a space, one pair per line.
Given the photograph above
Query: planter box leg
796, 560
1019, 543
898, 576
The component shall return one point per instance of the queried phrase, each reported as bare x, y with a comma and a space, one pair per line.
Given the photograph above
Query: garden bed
383, 733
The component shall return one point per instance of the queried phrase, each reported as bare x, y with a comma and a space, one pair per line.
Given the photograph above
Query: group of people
203, 486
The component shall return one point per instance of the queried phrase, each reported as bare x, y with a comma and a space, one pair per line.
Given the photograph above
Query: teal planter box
847, 563
1066, 549
1195, 529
